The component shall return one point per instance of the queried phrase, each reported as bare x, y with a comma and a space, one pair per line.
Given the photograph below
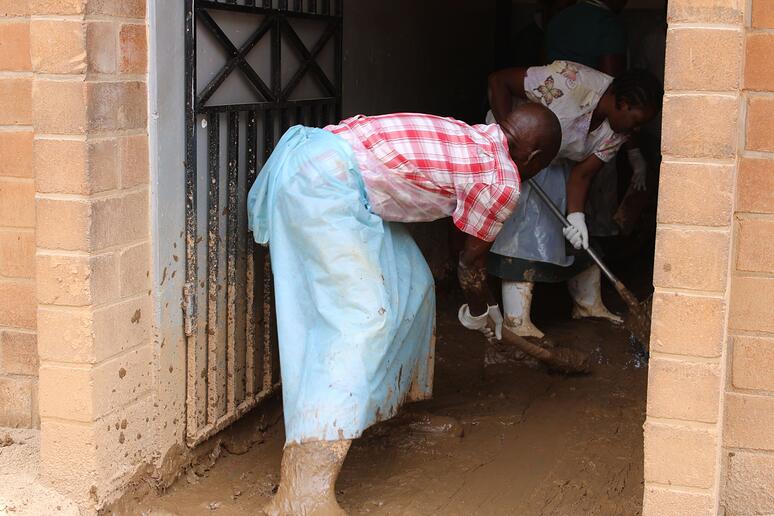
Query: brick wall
748, 437
89, 114
18, 347
702, 106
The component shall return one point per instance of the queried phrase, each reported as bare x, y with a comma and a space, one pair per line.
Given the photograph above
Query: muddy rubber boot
517, 302
586, 292
308, 480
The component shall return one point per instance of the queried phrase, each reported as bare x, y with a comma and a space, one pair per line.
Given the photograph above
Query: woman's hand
577, 233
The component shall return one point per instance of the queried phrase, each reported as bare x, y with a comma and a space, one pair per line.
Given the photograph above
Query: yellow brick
679, 455
691, 259
60, 166
94, 391
760, 113
713, 11
17, 203
123, 8
134, 161
117, 105
687, 325
68, 280
759, 68
126, 378
756, 186
134, 49
763, 14
756, 245
135, 270
79, 167
66, 335
101, 46
703, 59
16, 150
14, 7
120, 220
751, 302
753, 363
665, 501
103, 166
103, 459
749, 421
75, 403
59, 107
66, 447
58, 46
18, 353
64, 224
122, 326
57, 6
700, 126
17, 253
88, 336
16, 402
15, 46
683, 390
749, 486
679, 182
17, 297
15, 101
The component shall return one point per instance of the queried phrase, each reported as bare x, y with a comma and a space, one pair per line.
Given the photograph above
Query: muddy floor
534, 443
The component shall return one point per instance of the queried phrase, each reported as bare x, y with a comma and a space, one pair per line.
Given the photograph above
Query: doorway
532, 442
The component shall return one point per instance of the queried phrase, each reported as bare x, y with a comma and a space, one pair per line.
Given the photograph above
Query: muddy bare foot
308, 479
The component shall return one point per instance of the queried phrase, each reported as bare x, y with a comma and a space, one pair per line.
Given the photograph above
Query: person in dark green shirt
527, 47
589, 33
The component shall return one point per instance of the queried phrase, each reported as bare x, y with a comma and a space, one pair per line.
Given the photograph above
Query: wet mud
505, 437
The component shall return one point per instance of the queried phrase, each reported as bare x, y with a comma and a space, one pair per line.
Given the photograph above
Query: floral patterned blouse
572, 91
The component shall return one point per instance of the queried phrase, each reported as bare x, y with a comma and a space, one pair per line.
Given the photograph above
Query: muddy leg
308, 480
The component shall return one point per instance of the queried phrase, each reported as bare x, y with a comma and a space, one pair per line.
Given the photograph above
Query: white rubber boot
586, 293
517, 302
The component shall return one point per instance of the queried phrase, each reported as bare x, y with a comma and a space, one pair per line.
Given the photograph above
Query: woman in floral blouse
597, 114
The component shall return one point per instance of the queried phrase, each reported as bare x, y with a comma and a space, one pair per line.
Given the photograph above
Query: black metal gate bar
231, 258
250, 320
233, 365
189, 292
213, 237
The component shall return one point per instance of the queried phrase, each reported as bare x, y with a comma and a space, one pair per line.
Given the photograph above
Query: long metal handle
559, 215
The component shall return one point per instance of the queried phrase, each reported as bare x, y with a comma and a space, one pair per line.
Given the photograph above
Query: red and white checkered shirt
423, 167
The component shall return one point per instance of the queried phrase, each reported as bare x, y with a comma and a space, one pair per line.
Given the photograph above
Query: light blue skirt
532, 232
354, 297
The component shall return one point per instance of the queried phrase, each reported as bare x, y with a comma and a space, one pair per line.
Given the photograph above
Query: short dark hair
638, 88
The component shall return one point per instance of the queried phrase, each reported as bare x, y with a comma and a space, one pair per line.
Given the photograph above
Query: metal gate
251, 71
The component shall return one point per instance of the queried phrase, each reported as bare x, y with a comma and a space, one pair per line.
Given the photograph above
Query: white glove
497, 318
639, 169
577, 233
477, 323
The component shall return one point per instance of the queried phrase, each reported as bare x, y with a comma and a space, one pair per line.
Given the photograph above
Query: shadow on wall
431, 56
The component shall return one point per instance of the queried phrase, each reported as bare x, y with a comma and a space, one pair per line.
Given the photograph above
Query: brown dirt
532, 443
21, 492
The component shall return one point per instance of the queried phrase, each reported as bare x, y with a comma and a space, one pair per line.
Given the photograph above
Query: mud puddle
533, 443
